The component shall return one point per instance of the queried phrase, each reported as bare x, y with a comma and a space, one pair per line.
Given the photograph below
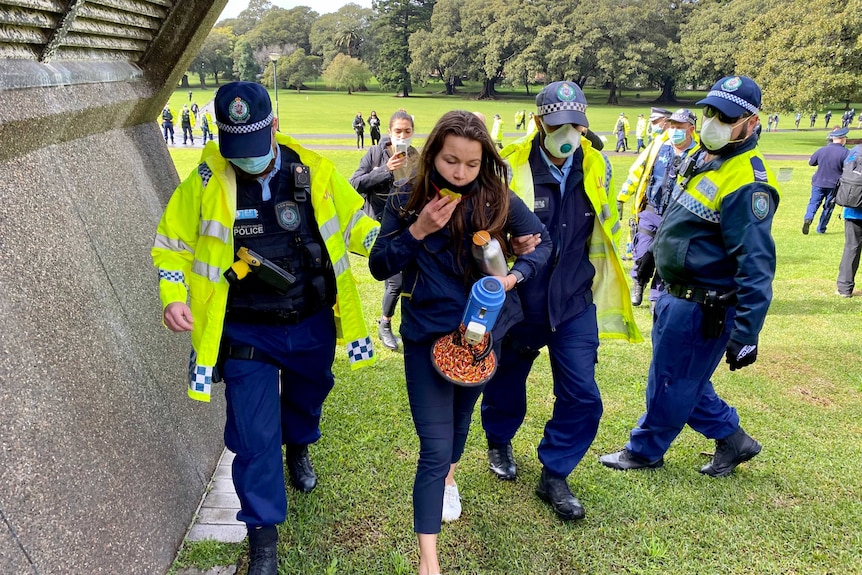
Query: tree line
803, 53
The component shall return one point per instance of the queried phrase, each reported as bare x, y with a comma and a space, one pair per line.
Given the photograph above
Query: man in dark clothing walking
829, 161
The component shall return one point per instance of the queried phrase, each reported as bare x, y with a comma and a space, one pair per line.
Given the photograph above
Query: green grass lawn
792, 510
330, 112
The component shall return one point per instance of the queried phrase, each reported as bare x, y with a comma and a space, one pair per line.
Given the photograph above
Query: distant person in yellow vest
521, 118
497, 131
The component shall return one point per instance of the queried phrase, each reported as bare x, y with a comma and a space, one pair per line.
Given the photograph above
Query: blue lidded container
486, 300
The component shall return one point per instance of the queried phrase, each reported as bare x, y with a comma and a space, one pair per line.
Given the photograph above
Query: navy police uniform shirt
724, 243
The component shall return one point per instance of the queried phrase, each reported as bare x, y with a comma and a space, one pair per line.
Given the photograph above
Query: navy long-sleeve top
829, 161
434, 289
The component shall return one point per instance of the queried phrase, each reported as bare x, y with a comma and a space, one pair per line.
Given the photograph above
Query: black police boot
805, 226
555, 491
730, 452
384, 332
501, 460
637, 293
624, 460
262, 551
302, 475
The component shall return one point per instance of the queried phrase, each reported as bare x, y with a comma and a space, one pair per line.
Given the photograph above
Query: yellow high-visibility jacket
611, 295
194, 247
641, 172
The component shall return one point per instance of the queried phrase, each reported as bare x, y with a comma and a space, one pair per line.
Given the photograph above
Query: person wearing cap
187, 120
716, 255
650, 181
657, 123
824, 183
621, 129
168, 123
640, 133
580, 296
252, 253
497, 131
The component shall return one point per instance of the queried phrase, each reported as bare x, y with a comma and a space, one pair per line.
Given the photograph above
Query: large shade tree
395, 21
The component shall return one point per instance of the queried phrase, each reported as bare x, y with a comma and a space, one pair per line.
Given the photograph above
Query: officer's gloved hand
620, 209
739, 354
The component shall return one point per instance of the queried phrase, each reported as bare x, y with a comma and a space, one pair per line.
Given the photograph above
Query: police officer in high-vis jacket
252, 252
715, 253
579, 296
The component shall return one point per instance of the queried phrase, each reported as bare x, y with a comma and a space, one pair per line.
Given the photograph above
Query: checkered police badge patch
288, 216
731, 84
238, 110
566, 93
760, 205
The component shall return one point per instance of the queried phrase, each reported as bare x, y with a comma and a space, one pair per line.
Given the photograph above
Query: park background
793, 509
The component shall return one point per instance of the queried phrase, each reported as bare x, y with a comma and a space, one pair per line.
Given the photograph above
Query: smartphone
401, 148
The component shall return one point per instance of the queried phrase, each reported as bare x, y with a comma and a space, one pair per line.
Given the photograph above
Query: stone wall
103, 458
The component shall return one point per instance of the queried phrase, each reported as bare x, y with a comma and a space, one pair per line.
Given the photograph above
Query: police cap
243, 114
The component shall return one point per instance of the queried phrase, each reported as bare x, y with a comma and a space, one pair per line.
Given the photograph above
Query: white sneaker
451, 503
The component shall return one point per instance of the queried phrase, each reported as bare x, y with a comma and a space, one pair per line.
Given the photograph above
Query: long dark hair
490, 200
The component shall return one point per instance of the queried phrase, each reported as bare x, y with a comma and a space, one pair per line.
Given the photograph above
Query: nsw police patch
760, 205
288, 215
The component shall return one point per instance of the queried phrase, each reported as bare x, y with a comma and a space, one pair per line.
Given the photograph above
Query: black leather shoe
624, 460
637, 293
384, 332
730, 452
555, 490
262, 551
501, 461
806, 225
302, 475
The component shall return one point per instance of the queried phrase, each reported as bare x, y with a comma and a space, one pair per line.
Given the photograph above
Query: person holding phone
390, 161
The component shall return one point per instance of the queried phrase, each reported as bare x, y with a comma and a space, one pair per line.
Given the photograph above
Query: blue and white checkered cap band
245, 128
561, 106
735, 99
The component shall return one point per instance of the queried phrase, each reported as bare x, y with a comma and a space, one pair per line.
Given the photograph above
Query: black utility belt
702, 295
271, 316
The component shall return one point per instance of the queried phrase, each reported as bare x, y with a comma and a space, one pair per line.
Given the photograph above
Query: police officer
565, 180
716, 254
651, 179
168, 123
187, 121
824, 183
268, 310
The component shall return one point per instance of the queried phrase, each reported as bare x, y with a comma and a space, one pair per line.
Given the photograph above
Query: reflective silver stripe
166, 243
329, 228
215, 229
615, 228
606, 212
341, 264
212, 273
357, 215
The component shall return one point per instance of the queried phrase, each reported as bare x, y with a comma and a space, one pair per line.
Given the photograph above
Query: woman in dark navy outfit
426, 234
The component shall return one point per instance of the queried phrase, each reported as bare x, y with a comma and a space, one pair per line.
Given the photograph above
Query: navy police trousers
679, 390
573, 348
265, 411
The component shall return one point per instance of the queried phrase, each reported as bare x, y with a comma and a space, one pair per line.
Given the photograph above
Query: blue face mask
677, 136
253, 166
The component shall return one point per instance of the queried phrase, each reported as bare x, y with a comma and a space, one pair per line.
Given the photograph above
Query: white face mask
715, 135
563, 142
